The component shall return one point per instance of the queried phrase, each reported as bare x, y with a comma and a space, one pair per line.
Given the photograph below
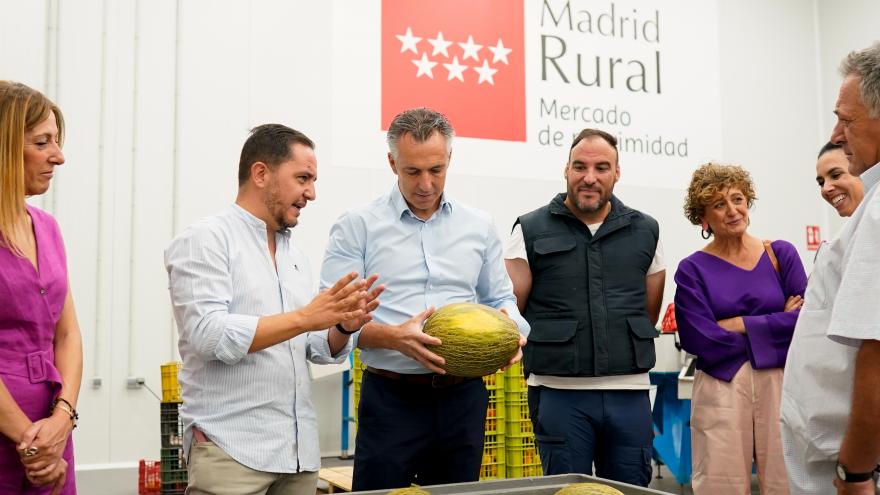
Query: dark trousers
418, 434
576, 428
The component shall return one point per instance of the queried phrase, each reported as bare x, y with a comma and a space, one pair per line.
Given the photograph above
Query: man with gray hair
417, 424
830, 398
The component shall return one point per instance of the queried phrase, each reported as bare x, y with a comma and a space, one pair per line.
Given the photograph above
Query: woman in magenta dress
736, 305
40, 342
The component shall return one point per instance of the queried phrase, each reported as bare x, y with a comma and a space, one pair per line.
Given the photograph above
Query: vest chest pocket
554, 257
551, 348
642, 334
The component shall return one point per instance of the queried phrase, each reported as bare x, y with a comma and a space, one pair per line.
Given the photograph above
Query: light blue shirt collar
398, 202
871, 177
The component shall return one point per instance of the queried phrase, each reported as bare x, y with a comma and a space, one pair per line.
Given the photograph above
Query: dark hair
271, 144
591, 133
829, 146
420, 123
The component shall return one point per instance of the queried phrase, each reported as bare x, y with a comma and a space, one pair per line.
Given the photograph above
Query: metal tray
539, 485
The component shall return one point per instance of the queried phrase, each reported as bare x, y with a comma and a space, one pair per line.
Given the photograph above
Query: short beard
586, 208
271, 202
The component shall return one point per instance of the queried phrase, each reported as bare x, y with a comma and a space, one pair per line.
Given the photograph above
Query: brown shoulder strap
771, 255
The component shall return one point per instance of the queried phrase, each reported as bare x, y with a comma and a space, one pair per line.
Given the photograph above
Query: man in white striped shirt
249, 319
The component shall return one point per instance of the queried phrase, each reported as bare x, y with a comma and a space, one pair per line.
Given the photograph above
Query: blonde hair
21, 109
711, 179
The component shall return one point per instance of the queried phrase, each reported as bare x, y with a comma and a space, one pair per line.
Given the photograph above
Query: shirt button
42, 291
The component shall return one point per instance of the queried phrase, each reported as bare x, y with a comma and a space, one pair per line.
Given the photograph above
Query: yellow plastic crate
495, 381
517, 409
357, 367
493, 466
519, 427
170, 386
357, 375
495, 424
524, 471
514, 381
522, 456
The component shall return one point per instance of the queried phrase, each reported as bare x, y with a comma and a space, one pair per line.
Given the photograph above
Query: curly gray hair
866, 65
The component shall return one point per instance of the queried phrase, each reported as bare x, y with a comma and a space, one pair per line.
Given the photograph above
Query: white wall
842, 27
159, 95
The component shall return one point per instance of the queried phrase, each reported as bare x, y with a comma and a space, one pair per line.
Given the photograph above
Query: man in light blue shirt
417, 424
249, 319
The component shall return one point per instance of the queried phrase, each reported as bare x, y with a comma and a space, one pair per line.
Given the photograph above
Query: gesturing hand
368, 304
345, 300
410, 340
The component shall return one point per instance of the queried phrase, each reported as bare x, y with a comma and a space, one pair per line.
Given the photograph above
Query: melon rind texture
476, 340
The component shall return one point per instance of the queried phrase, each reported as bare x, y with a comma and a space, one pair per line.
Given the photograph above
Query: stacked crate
357, 374
173, 463
149, 478
493, 466
521, 453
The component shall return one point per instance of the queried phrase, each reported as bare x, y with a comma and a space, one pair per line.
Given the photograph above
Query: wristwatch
847, 477
343, 331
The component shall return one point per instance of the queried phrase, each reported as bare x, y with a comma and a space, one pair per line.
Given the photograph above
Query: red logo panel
464, 58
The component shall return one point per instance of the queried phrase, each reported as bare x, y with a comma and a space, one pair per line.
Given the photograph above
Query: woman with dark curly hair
736, 305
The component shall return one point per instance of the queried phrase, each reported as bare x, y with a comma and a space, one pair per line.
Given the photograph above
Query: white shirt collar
870, 177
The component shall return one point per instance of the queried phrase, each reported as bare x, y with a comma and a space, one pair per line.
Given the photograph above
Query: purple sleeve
770, 335
720, 352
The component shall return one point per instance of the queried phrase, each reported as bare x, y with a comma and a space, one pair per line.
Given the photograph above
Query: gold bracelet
66, 407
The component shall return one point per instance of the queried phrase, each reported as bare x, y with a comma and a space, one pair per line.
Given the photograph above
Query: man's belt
426, 380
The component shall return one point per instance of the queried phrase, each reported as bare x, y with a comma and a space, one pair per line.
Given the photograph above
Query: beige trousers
213, 472
732, 425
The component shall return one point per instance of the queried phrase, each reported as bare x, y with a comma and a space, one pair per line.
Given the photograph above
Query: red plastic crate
149, 477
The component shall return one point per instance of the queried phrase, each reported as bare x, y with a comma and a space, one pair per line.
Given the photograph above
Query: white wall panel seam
175, 165
99, 196
133, 185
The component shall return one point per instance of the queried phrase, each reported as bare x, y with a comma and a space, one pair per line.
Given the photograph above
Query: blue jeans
612, 429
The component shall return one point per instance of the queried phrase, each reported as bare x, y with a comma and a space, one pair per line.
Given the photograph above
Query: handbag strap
771, 255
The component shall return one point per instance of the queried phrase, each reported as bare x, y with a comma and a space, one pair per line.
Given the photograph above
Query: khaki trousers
213, 472
733, 424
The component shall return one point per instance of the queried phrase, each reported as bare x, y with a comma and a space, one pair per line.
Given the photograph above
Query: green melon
476, 340
410, 490
588, 489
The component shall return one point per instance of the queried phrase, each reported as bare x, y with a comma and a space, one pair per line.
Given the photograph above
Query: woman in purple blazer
736, 305
40, 342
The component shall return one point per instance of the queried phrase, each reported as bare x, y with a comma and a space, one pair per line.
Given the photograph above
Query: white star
425, 66
486, 73
440, 45
470, 48
456, 70
408, 41
499, 52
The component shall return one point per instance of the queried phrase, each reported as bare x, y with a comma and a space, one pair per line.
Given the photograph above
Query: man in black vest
588, 275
